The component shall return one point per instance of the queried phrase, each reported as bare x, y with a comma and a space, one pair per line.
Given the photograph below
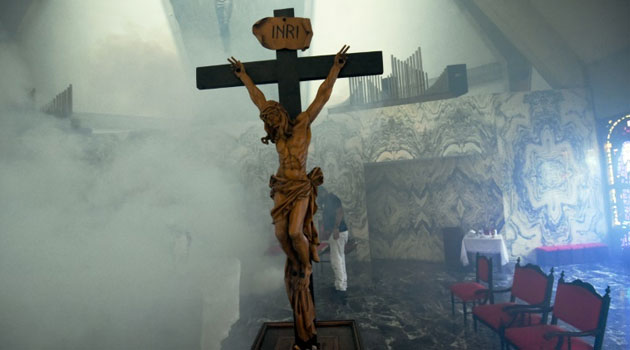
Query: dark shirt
329, 205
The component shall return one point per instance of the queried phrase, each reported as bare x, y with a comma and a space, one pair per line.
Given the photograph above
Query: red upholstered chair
576, 304
531, 288
474, 292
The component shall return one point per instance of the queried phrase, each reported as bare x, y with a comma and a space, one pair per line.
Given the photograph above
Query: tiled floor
405, 305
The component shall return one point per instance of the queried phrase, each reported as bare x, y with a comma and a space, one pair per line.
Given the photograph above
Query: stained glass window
617, 149
623, 163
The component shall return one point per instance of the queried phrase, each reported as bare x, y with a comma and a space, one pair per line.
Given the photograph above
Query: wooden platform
332, 335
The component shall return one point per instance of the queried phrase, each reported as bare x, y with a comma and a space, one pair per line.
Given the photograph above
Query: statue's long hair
282, 129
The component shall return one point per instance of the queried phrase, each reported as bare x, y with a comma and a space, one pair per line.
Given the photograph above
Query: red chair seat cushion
467, 291
533, 338
493, 315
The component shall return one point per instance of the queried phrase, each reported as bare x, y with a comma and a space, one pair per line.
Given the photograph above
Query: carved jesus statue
294, 193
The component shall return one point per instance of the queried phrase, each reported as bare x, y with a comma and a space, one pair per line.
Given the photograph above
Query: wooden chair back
531, 285
578, 304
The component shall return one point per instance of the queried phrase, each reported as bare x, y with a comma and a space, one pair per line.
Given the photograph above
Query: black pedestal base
331, 335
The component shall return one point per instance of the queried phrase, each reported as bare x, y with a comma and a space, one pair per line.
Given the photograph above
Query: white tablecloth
484, 245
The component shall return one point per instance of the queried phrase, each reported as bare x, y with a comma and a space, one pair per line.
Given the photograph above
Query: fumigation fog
128, 225
119, 240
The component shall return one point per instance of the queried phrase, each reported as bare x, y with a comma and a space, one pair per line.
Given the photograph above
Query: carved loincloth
294, 190
298, 292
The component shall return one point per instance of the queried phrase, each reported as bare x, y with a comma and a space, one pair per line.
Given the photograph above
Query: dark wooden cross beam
287, 70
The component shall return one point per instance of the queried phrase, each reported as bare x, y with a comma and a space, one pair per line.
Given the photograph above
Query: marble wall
549, 156
535, 151
409, 202
344, 143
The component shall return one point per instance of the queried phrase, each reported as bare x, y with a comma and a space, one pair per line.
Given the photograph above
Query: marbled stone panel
549, 155
409, 202
538, 148
343, 143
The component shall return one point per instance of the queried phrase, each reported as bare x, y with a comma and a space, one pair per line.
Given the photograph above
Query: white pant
338, 260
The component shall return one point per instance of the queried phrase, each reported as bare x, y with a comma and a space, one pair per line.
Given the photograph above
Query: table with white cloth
485, 245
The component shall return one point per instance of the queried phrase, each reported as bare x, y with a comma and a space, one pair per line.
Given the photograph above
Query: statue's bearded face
274, 114
276, 120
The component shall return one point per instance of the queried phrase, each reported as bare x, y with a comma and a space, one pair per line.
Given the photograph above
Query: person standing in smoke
334, 227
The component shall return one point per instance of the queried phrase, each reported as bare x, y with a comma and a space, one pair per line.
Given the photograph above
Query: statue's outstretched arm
325, 90
254, 92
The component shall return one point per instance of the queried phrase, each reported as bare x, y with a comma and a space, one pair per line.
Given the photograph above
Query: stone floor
405, 305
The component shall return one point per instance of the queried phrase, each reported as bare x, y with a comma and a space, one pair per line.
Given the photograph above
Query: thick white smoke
92, 225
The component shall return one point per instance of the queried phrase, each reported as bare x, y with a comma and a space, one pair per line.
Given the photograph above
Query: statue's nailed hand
341, 57
237, 67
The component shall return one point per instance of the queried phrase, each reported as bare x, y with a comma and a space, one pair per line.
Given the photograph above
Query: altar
485, 245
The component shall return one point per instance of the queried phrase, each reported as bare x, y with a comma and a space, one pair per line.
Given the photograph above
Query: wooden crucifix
288, 127
287, 70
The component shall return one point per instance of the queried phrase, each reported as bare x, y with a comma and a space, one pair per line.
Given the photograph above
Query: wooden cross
287, 70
